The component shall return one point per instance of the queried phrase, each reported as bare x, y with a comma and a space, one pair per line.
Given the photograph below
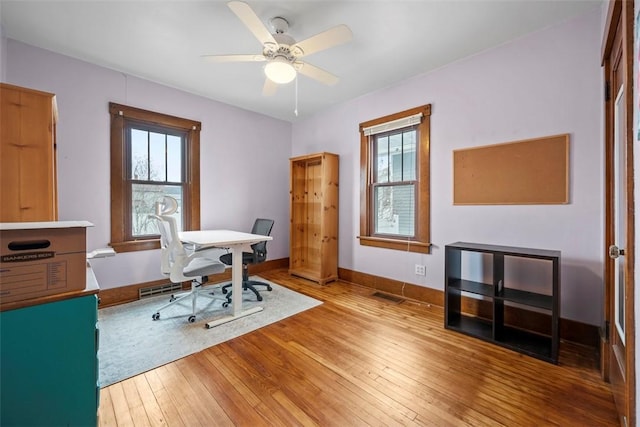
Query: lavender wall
3, 55
546, 83
244, 156
543, 84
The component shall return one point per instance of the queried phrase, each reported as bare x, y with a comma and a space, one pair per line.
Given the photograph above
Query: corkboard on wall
534, 171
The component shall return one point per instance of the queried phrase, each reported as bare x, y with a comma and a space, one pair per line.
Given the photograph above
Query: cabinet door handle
615, 252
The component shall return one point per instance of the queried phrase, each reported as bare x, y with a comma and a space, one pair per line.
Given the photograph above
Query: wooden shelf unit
313, 188
498, 294
27, 155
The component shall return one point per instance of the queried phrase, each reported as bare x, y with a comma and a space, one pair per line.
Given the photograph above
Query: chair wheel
259, 298
224, 291
155, 316
225, 304
172, 299
192, 318
269, 288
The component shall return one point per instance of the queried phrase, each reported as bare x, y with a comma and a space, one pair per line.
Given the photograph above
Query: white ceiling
162, 41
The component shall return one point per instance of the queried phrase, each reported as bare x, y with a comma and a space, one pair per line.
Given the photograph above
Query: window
152, 154
394, 193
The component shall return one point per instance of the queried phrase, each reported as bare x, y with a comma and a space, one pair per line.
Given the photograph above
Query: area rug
132, 343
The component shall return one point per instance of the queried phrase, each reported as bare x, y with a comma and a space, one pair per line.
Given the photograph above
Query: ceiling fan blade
233, 58
332, 37
252, 22
316, 73
269, 88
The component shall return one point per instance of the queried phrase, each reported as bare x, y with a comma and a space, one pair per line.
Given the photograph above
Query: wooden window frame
120, 114
421, 243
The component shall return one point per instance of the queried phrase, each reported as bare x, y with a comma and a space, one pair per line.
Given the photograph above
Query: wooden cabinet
502, 291
313, 189
27, 155
48, 360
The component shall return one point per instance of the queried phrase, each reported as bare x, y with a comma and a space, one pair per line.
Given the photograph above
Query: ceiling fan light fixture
280, 71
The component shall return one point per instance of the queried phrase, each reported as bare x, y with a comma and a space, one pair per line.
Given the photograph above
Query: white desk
237, 242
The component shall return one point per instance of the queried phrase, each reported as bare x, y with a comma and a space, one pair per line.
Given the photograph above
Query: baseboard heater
159, 289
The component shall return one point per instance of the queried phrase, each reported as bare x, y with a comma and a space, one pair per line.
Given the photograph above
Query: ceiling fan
281, 52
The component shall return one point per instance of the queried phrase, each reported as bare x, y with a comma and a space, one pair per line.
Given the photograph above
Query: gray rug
131, 343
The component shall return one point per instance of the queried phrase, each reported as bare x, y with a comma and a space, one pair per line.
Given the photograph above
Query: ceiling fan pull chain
296, 109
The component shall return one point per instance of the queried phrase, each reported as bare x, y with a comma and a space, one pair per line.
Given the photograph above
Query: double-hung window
152, 155
395, 182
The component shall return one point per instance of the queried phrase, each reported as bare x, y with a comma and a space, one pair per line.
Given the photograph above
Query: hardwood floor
360, 360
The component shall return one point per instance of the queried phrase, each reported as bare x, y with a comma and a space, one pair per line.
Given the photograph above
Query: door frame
619, 12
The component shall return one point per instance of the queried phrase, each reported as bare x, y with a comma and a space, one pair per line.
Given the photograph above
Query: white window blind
393, 125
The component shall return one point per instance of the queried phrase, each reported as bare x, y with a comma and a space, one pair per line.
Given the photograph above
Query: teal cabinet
48, 364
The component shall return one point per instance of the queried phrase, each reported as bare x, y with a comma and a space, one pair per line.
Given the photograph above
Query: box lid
43, 225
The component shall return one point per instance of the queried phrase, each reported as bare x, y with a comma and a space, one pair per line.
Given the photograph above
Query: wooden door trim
613, 15
620, 12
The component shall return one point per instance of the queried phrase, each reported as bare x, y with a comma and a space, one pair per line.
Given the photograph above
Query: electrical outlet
421, 270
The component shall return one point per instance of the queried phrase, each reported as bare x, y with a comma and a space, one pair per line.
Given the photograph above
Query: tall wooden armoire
27, 155
314, 217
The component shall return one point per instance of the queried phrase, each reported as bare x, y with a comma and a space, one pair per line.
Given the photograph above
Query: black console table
497, 293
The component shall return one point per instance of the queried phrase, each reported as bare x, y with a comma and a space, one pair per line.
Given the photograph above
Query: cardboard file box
42, 258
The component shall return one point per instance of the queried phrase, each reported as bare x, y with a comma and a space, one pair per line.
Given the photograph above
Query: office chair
263, 227
179, 264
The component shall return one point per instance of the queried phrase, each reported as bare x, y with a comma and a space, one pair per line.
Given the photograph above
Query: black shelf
471, 287
543, 346
506, 250
535, 345
526, 298
472, 326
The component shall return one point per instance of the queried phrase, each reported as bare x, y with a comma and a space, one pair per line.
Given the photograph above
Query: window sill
399, 245
135, 245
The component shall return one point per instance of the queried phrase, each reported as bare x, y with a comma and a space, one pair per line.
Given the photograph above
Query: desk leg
236, 286
236, 280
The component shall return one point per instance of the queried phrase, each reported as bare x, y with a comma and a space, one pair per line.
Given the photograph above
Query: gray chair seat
203, 267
